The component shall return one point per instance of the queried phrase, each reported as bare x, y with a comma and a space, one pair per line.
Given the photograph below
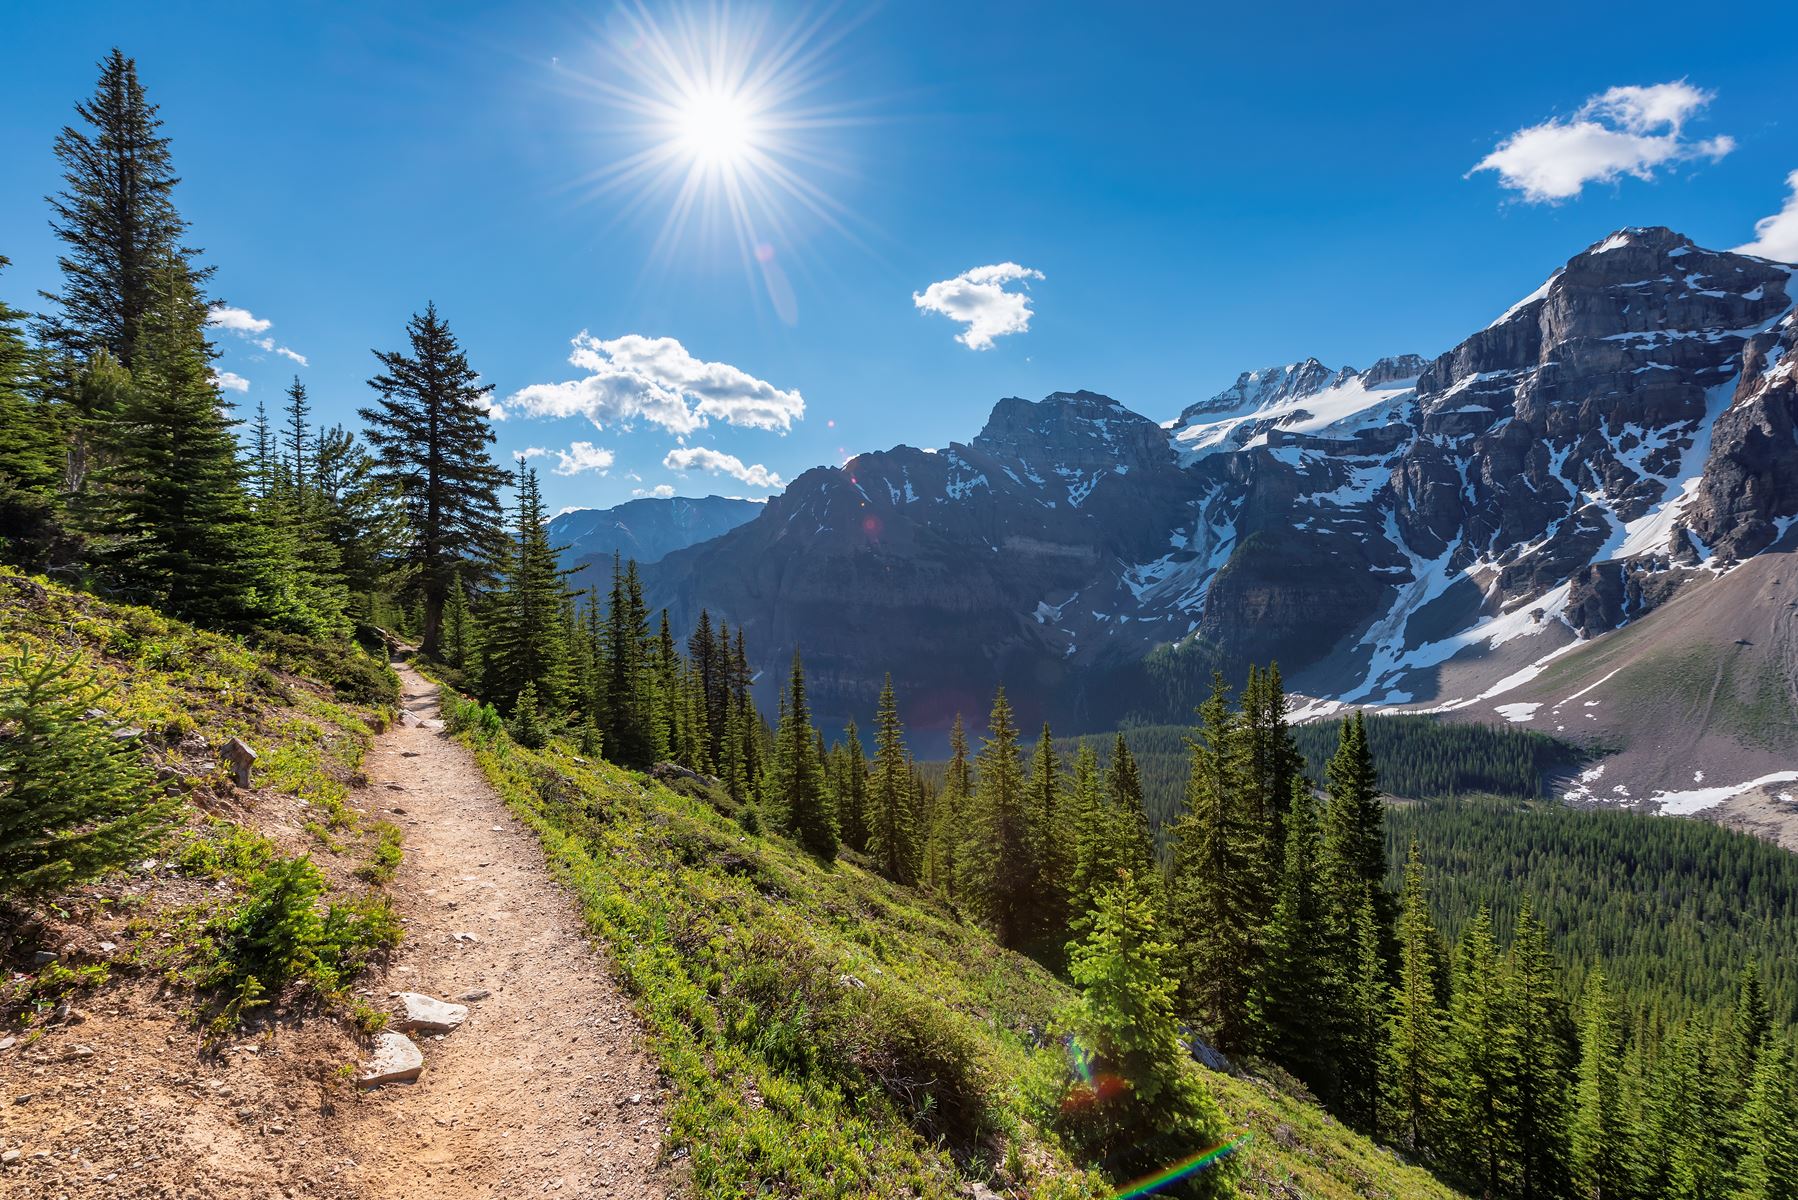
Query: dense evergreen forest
1525, 1057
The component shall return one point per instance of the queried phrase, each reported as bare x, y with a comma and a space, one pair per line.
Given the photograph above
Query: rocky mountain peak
1267, 387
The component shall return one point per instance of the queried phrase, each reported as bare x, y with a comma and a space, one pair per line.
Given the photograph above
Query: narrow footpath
545, 1088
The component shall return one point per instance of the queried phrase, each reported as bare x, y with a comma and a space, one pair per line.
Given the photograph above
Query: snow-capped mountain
1430, 533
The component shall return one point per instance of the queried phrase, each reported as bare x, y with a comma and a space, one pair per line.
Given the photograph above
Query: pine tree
167, 511
117, 220
356, 515
1479, 1072
1599, 1133
1354, 836
526, 641
941, 848
1750, 1026
997, 860
809, 812
1693, 1113
1135, 1101
853, 801
1540, 1065
431, 433
1769, 1130
891, 837
1272, 761
634, 731
1284, 1002
1217, 886
1414, 1077
1052, 837
75, 801
31, 452
293, 437
458, 626
1361, 1078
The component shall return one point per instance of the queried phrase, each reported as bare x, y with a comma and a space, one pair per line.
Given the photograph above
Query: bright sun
716, 129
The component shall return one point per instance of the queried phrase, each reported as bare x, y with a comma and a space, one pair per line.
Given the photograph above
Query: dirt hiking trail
545, 1089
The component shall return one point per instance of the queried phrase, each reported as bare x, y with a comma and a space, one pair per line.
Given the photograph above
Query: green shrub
464, 715
75, 799
385, 859
528, 726
353, 674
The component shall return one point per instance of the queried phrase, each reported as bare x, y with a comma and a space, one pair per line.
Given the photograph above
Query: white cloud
247, 325
581, 456
661, 491
532, 452
978, 299
269, 345
230, 381
634, 378
702, 458
240, 321
1624, 131
1776, 237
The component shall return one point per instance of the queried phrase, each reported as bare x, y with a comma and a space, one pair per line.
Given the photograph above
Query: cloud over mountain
977, 298
702, 458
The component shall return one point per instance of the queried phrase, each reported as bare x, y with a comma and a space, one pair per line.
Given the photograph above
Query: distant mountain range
646, 530
1424, 533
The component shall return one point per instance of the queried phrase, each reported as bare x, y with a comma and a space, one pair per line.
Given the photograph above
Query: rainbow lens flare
1185, 1167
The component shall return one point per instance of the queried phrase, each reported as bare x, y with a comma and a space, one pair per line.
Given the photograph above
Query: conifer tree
1540, 1064
946, 832
31, 452
1284, 1003
1599, 1133
431, 433
634, 732
1053, 837
1354, 837
1217, 885
356, 515
264, 465
1124, 792
1769, 1130
997, 859
853, 804
167, 511
1361, 1078
809, 811
526, 638
1749, 1028
75, 801
1415, 1074
293, 436
1693, 1113
458, 626
1135, 1101
891, 837
118, 224
1271, 760
1479, 1075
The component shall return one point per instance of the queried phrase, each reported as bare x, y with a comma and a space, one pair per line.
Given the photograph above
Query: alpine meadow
541, 653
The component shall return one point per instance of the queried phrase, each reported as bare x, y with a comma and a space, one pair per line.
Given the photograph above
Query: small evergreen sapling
75, 802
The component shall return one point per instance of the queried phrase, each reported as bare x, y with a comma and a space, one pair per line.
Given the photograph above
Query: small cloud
702, 458
978, 299
633, 378
247, 325
1624, 131
240, 321
230, 381
661, 491
1776, 237
532, 452
583, 456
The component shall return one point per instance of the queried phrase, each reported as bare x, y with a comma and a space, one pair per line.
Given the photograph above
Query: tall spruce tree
1053, 836
1749, 1028
853, 807
1600, 1136
809, 811
527, 644
1768, 1169
941, 848
1217, 883
891, 834
1284, 1001
117, 220
997, 858
1354, 834
167, 512
1479, 1073
1415, 1075
431, 433
1541, 1064
31, 448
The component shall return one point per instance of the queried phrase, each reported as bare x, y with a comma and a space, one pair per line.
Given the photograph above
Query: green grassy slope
831, 1034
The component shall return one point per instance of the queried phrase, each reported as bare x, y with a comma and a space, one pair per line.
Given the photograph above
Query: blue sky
1193, 193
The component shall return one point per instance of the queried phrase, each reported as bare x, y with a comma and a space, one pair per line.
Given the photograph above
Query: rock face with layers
1630, 424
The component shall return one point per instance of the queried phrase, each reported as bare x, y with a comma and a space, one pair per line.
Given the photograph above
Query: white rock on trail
427, 1014
396, 1060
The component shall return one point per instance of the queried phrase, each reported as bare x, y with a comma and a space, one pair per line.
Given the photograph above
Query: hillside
829, 1033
